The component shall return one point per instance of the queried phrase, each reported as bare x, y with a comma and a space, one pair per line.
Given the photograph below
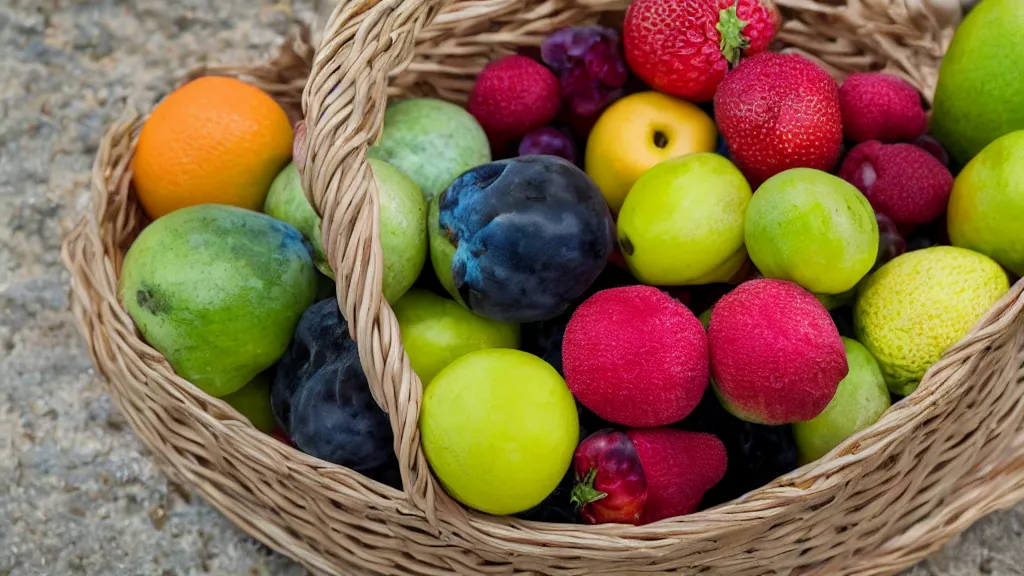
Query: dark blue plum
843, 317
322, 400
557, 508
544, 339
531, 235
757, 454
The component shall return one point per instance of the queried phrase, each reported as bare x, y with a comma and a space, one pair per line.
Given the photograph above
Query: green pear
218, 290
437, 331
432, 142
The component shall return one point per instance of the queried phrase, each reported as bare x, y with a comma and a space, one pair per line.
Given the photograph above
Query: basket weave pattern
889, 496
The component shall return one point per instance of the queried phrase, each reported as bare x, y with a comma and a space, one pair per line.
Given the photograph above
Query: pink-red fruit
879, 106
776, 354
513, 96
902, 181
635, 356
680, 467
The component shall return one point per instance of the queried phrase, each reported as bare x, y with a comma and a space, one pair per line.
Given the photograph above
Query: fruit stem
584, 492
731, 28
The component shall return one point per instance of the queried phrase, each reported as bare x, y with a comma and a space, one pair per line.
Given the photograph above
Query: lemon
915, 307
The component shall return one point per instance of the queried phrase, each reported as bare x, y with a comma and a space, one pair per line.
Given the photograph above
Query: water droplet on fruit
868, 175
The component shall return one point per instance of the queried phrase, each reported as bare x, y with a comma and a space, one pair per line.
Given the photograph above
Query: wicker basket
936, 462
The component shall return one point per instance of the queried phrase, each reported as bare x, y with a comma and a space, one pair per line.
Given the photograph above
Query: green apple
403, 229
441, 250
682, 222
499, 428
705, 317
812, 228
432, 142
403, 215
253, 402
833, 301
437, 331
860, 400
287, 202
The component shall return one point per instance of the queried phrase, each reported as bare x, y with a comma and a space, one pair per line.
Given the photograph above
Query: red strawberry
279, 435
679, 468
685, 47
610, 485
778, 112
763, 22
513, 96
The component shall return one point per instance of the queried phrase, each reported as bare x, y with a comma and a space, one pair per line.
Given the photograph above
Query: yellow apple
638, 132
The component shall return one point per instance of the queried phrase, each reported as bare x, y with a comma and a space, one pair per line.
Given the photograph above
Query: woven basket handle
365, 43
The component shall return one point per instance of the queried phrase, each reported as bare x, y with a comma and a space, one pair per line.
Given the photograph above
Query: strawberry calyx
584, 493
731, 29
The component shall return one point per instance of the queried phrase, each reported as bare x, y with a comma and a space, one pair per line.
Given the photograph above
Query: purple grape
933, 147
565, 47
605, 64
927, 235
890, 242
589, 63
549, 141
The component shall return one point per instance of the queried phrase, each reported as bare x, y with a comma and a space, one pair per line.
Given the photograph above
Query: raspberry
890, 242
902, 181
879, 106
513, 96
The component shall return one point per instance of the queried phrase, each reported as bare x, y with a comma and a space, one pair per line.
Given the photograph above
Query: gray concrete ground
78, 494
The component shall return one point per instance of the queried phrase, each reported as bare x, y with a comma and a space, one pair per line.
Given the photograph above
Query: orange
213, 141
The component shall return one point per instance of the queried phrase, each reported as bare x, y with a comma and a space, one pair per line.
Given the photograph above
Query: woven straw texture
886, 498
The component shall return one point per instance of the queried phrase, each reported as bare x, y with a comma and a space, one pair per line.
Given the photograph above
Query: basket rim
460, 527
844, 455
